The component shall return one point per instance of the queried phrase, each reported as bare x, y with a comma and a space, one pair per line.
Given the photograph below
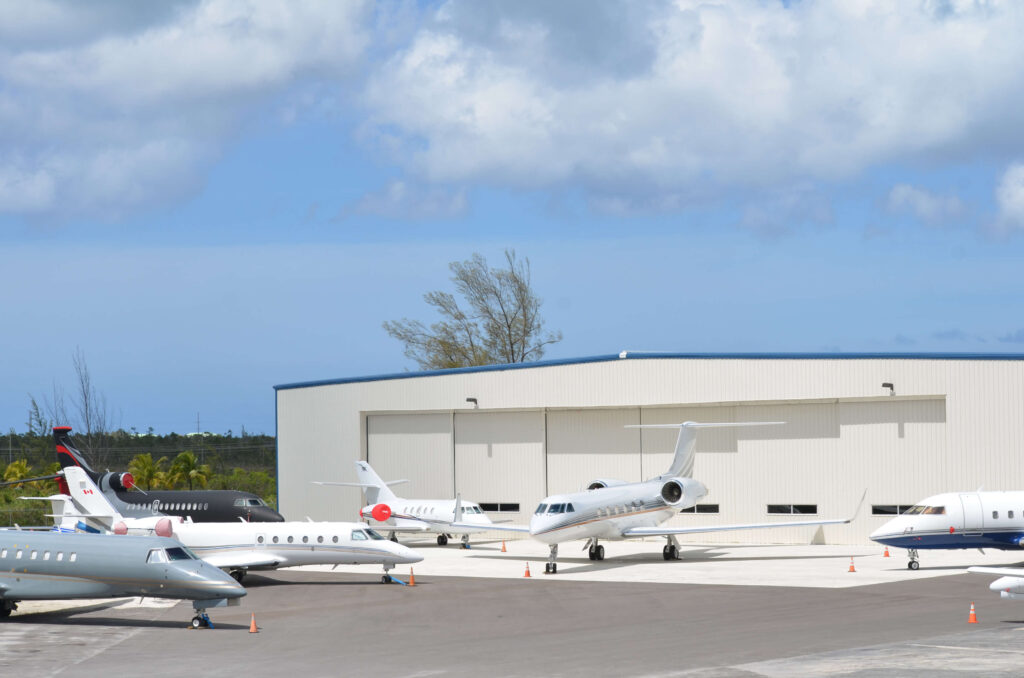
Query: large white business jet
957, 520
394, 514
615, 510
240, 546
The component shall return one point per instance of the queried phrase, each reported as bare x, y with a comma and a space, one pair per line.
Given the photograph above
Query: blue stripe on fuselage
989, 540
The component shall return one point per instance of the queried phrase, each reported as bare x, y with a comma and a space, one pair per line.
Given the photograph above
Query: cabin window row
356, 535
33, 554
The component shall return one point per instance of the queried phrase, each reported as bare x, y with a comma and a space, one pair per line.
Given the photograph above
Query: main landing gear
442, 540
913, 564
238, 575
594, 550
551, 567
671, 550
201, 621
7, 607
465, 541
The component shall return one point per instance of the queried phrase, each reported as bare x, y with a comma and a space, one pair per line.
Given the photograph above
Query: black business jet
202, 506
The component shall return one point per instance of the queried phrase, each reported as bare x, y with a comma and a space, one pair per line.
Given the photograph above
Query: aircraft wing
384, 527
493, 527
241, 559
1001, 571
665, 531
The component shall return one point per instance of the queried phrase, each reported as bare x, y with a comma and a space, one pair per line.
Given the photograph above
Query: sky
207, 198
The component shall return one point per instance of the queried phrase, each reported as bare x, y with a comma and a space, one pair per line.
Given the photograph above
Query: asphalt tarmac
329, 624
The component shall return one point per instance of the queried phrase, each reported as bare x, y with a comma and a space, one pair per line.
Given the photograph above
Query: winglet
859, 505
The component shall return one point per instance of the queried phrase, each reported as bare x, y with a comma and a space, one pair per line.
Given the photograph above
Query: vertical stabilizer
686, 443
375, 489
89, 500
67, 455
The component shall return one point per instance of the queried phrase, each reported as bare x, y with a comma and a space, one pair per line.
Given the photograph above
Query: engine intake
672, 492
602, 483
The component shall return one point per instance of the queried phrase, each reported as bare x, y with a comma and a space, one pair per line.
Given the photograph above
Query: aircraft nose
1001, 584
407, 556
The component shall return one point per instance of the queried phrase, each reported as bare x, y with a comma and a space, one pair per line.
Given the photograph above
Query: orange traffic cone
852, 569
886, 554
973, 618
252, 624
503, 546
412, 578
527, 570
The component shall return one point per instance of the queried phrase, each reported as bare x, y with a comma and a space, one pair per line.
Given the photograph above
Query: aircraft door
974, 517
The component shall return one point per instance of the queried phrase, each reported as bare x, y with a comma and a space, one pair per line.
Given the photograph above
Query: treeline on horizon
167, 462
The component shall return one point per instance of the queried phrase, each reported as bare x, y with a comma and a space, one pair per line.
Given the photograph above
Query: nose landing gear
551, 567
913, 564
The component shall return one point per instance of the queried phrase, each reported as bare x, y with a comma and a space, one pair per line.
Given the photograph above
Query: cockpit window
914, 510
374, 535
935, 510
256, 502
569, 508
920, 509
156, 556
556, 508
359, 535
178, 553
543, 508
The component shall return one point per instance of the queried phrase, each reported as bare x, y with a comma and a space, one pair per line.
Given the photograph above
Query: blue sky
210, 198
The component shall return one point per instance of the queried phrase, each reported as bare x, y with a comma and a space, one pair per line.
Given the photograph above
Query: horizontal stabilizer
1001, 571
343, 484
493, 527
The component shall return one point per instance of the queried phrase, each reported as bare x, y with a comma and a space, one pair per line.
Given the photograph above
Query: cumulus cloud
926, 206
1010, 198
102, 113
707, 96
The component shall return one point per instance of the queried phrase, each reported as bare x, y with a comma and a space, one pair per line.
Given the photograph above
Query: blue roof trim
642, 355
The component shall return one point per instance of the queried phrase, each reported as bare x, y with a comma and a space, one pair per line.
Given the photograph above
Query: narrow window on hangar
792, 509
889, 509
702, 508
503, 507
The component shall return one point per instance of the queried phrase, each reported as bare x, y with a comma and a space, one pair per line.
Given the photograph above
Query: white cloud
1010, 198
714, 95
924, 205
400, 200
125, 111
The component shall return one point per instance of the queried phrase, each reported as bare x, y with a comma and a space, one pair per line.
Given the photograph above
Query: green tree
501, 323
186, 468
148, 474
17, 470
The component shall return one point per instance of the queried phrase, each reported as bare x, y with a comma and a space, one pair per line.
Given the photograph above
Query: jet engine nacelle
604, 482
685, 491
119, 482
1009, 587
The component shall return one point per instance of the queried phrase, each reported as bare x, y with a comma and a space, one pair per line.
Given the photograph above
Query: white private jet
957, 520
1010, 583
614, 510
394, 514
236, 547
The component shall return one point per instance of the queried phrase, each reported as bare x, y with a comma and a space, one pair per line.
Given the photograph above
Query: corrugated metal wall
951, 425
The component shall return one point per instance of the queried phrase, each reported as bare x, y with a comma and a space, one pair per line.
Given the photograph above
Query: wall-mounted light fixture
888, 385
472, 400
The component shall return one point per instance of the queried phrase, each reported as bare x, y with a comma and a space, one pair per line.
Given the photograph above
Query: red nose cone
128, 480
381, 512
163, 528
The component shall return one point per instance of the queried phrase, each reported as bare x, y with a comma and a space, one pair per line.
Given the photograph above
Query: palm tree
17, 470
186, 467
147, 473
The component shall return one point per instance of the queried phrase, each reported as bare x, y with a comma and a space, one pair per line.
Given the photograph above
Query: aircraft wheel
554, 568
197, 622
394, 537
4, 611
599, 552
591, 554
385, 579
238, 575
442, 539
673, 552
913, 565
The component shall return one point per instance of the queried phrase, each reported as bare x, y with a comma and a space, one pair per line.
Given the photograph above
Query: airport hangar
901, 426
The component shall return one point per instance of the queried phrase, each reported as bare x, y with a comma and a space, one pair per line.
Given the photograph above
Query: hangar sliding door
417, 447
584, 445
499, 461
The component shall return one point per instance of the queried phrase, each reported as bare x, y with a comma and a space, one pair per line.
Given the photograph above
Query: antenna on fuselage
682, 461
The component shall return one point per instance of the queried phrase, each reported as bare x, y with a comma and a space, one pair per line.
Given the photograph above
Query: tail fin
682, 462
376, 489
67, 455
90, 500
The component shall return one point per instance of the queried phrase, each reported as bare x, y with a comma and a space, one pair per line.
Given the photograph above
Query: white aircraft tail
682, 462
89, 500
376, 490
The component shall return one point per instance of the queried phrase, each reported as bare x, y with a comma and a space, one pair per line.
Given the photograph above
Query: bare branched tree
501, 325
90, 420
